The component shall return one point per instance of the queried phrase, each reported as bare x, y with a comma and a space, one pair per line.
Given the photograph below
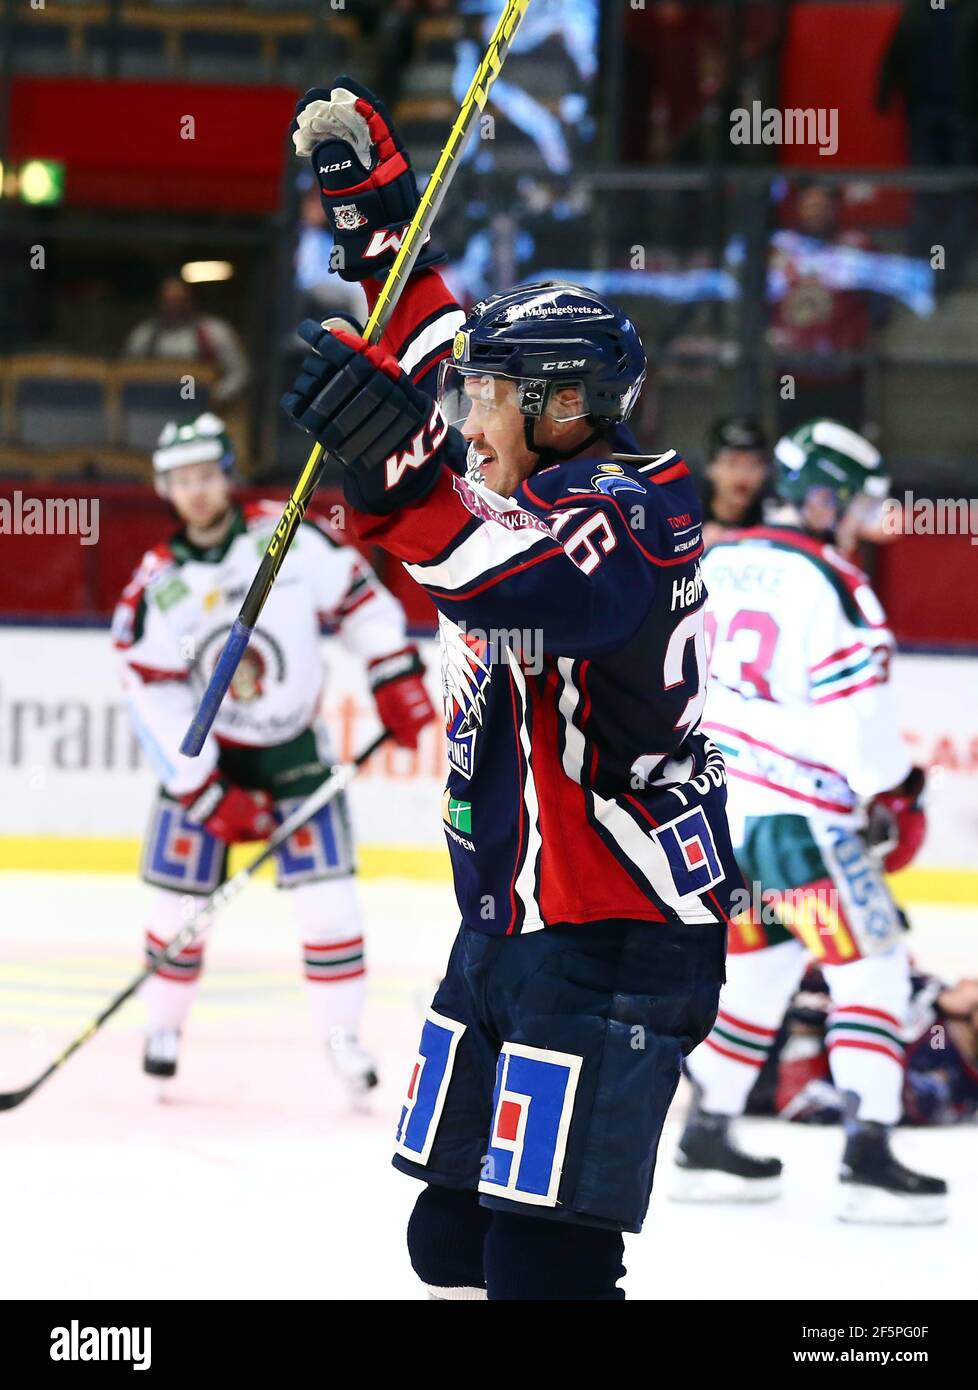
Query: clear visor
465, 395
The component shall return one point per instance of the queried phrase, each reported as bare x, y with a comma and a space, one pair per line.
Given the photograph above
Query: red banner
156, 144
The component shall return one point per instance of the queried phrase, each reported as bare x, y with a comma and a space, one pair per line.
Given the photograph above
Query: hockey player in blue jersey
584, 810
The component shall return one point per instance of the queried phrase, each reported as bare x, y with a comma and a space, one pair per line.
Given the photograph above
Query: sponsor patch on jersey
480, 505
457, 813
691, 852
428, 1087
532, 1107
170, 593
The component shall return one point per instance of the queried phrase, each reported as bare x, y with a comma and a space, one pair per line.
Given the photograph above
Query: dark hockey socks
529, 1258
445, 1235
457, 1248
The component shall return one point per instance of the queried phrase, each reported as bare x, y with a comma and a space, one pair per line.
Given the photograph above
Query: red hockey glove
898, 822
230, 813
368, 189
355, 400
397, 685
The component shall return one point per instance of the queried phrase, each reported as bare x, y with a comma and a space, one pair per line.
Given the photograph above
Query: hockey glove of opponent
897, 821
397, 685
230, 813
365, 178
355, 400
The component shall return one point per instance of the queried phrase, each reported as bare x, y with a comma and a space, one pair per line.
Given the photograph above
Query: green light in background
42, 181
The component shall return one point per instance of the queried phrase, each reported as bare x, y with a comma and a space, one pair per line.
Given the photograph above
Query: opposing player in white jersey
268, 749
800, 703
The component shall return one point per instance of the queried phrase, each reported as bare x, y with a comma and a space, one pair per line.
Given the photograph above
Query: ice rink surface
255, 1180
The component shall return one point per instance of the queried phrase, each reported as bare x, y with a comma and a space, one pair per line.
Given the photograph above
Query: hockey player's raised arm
369, 195
156, 676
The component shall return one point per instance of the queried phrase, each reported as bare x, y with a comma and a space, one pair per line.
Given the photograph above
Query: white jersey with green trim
175, 614
799, 698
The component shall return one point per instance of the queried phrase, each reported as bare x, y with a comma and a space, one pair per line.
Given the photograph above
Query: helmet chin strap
546, 454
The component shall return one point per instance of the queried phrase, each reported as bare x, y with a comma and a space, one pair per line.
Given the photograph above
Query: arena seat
147, 394
137, 51
222, 54
56, 401
41, 48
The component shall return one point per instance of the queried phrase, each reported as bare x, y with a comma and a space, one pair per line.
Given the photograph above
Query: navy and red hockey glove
230, 813
397, 685
898, 821
365, 179
355, 400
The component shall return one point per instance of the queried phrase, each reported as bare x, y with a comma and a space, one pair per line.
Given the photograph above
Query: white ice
254, 1180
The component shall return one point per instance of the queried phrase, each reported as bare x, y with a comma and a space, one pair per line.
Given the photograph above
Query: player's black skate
878, 1190
711, 1168
160, 1056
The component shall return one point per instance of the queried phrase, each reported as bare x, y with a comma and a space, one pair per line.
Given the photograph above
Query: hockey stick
309, 480
335, 781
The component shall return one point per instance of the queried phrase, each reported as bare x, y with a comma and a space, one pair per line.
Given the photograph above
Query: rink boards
78, 790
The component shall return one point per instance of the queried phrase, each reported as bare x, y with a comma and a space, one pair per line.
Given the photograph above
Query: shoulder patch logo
609, 480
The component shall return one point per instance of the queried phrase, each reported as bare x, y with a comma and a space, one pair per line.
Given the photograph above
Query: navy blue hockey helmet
544, 337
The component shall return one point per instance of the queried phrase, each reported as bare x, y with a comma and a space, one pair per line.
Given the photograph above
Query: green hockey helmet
203, 440
825, 454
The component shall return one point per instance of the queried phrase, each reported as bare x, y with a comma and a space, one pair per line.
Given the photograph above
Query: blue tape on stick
227, 664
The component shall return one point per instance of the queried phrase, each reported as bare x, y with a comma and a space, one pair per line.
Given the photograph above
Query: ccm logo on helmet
570, 362
334, 168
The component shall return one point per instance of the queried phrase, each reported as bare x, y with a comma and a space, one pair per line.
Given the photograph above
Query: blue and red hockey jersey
574, 677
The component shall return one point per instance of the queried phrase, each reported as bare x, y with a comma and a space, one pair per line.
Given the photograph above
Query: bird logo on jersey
610, 479
466, 670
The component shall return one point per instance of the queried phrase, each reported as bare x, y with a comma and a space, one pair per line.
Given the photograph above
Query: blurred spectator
932, 62
388, 27
736, 476
178, 330
815, 319
321, 291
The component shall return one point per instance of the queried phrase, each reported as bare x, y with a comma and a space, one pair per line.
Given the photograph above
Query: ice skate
355, 1065
711, 1168
878, 1190
160, 1057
